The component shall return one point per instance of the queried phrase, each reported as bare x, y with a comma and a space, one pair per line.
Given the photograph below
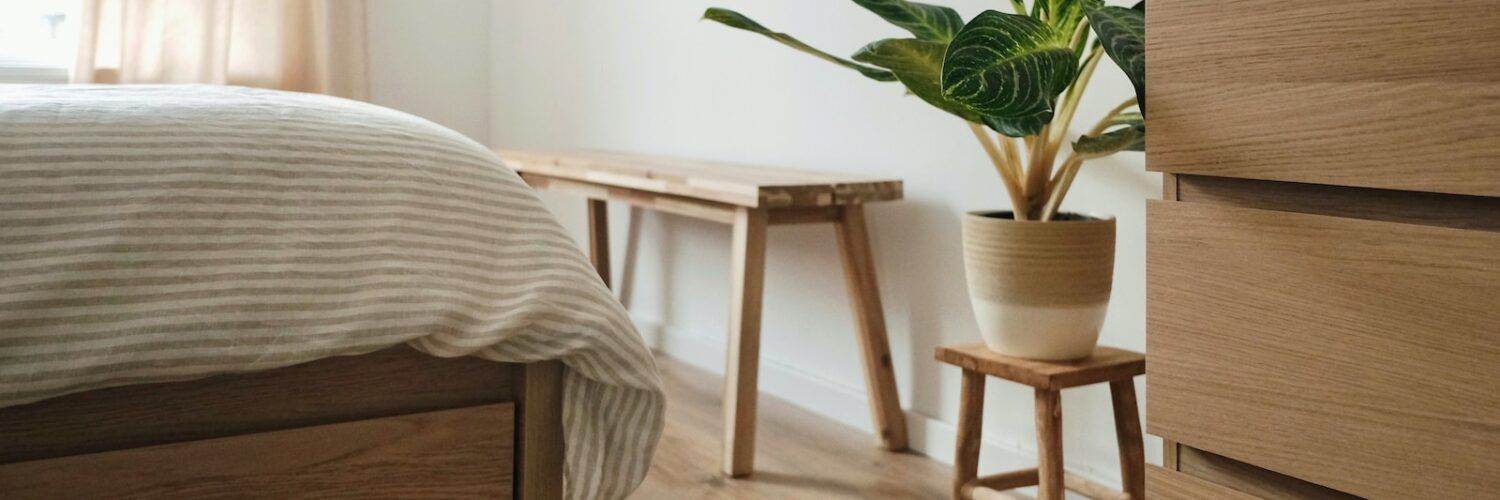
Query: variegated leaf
1122, 32
1020, 126
1130, 137
1067, 13
917, 64
1009, 69
736, 20
926, 22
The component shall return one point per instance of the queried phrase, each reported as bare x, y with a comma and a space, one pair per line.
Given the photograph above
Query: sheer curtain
301, 45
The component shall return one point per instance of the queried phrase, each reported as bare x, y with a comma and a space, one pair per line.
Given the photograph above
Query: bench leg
1128, 435
970, 426
599, 238
1049, 445
625, 283
864, 294
743, 363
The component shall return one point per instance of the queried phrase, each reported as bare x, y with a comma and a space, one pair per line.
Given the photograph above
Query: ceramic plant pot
1039, 289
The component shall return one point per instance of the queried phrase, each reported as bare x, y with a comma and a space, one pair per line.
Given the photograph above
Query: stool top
734, 184
1105, 365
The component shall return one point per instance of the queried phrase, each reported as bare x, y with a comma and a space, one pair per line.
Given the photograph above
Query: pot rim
1092, 217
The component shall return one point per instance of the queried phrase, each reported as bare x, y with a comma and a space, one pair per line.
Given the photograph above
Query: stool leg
970, 424
1049, 445
864, 294
1128, 434
599, 238
743, 363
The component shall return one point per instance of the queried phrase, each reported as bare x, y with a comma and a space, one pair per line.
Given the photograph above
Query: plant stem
1080, 35
1058, 185
1012, 154
1104, 122
1039, 169
1074, 95
1059, 189
1020, 7
1012, 184
1044, 147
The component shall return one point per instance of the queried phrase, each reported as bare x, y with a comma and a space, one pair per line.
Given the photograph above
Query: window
38, 39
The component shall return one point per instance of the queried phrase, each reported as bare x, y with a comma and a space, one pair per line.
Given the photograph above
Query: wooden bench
748, 198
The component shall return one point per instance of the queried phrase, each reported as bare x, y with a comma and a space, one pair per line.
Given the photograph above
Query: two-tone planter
1039, 289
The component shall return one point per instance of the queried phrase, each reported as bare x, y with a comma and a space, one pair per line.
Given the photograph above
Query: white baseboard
849, 405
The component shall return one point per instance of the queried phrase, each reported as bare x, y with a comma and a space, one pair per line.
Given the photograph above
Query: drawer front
1163, 484
1396, 94
395, 381
1251, 479
1360, 355
463, 453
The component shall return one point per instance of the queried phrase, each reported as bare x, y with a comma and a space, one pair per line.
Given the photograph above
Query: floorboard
799, 454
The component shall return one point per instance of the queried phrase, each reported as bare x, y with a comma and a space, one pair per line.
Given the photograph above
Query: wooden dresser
1324, 272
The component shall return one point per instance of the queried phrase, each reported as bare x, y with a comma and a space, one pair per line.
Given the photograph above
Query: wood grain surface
1251, 479
1412, 207
1163, 484
539, 441
1395, 94
969, 434
599, 238
391, 382
464, 453
734, 184
1359, 355
1049, 445
722, 213
869, 318
1128, 437
800, 455
1107, 364
742, 359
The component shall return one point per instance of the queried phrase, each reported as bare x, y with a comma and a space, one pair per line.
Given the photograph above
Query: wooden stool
1107, 364
749, 199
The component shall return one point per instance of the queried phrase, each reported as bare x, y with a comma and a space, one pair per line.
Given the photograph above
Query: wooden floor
799, 454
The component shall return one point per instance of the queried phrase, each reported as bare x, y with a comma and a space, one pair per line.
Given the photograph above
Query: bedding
162, 233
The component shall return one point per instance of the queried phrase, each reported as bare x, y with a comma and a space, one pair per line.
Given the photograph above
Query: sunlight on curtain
301, 45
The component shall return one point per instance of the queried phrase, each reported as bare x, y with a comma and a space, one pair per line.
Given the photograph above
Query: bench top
1107, 364
740, 185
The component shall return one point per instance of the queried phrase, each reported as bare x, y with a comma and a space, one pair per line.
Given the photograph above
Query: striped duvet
159, 233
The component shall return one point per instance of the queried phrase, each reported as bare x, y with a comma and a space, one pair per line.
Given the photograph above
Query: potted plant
1039, 278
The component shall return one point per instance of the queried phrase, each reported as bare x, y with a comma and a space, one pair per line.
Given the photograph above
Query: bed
213, 291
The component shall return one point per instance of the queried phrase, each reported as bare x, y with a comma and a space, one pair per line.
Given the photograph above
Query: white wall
649, 77
431, 59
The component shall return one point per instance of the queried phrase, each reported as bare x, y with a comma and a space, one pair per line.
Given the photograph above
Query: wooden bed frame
391, 423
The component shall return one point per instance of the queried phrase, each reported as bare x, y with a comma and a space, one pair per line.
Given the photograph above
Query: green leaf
1010, 69
1122, 32
736, 20
926, 22
1065, 14
1130, 137
917, 64
1020, 126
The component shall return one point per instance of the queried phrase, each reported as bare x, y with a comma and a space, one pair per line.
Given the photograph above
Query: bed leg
539, 435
